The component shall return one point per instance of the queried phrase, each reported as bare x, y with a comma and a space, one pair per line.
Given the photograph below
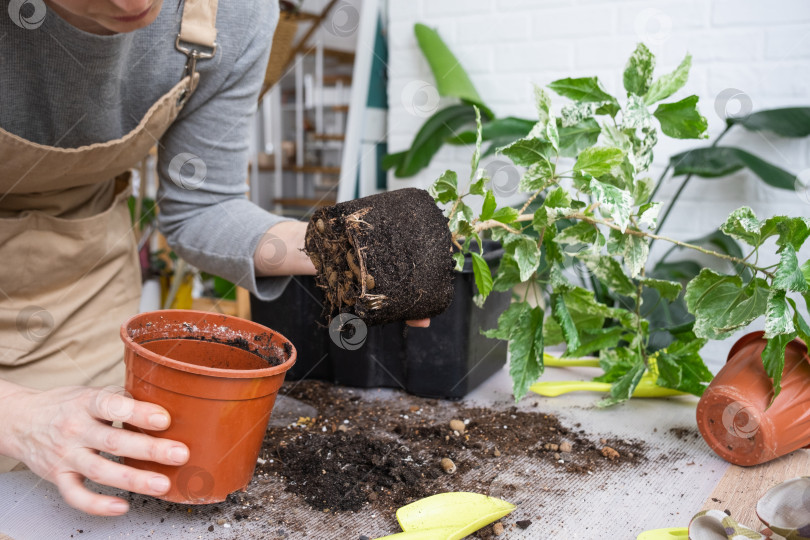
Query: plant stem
490, 223
596, 221
589, 219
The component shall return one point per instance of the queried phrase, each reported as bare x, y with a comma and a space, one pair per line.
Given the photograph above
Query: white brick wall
760, 47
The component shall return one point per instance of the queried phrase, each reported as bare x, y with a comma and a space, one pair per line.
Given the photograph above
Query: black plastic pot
446, 360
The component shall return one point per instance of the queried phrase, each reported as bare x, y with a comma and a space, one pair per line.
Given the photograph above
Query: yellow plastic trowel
448, 516
675, 533
646, 388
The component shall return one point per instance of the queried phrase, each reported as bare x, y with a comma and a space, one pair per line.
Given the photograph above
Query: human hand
419, 323
59, 433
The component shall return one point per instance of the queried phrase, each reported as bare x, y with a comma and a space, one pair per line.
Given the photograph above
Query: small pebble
227, 525
524, 524
496, 453
566, 447
497, 529
603, 441
413, 408
457, 425
372, 496
610, 453
551, 446
557, 456
448, 465
210, 528
220, 521
342, 428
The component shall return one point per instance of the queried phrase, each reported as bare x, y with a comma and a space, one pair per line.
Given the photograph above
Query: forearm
10, 394
280, 251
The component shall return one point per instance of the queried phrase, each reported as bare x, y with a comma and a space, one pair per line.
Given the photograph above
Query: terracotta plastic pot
218, 377
733, 415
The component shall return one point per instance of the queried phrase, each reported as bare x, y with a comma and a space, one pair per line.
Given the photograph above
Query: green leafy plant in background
596, 209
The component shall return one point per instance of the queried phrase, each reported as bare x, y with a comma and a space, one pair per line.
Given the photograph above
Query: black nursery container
446, 360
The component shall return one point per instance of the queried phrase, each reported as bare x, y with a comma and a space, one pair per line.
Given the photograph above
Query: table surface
680, 475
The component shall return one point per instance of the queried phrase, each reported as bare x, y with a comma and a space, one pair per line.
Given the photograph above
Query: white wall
761, 48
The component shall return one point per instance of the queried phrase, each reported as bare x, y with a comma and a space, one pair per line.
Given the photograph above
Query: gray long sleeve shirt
63, 87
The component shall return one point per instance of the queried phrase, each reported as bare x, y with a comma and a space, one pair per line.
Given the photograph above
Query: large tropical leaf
717, 161
451, 78
787, 122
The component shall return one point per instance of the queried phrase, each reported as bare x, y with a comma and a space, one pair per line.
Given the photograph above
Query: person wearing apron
70, 271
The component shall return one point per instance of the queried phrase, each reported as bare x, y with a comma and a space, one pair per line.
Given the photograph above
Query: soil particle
610, 453
457, 425
497, 529
448, 466
524, 523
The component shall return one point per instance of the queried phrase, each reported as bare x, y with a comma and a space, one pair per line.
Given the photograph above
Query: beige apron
70, 273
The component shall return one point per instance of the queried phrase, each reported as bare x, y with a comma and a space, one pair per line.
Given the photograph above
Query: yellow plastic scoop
674, 533
555, 361
448, 516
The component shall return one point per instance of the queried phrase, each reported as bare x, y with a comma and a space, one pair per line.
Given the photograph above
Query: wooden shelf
304, 202
328, 136
339, 108
333, 79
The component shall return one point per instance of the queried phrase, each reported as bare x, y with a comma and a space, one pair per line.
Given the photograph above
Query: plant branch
490, 223
589, 219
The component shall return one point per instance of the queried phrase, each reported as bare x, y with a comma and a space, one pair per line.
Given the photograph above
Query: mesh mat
664, 491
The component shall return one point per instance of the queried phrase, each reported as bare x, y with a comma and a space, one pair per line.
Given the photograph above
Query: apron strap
197, 37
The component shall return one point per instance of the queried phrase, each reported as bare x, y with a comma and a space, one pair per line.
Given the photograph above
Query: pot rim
130, 343
745, 340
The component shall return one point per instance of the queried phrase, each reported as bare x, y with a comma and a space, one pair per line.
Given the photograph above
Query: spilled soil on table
383, 454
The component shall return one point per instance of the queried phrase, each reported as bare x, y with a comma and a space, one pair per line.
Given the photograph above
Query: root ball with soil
384, 258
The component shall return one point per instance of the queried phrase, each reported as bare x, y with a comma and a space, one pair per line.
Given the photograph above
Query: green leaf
528, 151
445, 189
451, 78
648, 214
580, 233
477, 186
642, 190
721, 304
639, 71
615, 363
537, 176
802, 328
787, 122
476, 157
508, 274
574, 139
668, 84
429, 138
718, 161
509, 128
488, 208
610, 272
483, 275
681, 119
507, 214
773, 359
742, 224
623, 388
459, 258
778, 319
461, 219
542, 104
599, 160
805, 268
667, 289
563, 318
525, 252
636, 251
584, 89
681, 367
613, 202
789, 231
508, 322
596, 340
526, 351
788, 275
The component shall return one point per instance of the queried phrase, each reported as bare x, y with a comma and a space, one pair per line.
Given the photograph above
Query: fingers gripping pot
384, 258
218, 377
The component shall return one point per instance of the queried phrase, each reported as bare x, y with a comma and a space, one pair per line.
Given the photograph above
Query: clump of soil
384, 258
388, 454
